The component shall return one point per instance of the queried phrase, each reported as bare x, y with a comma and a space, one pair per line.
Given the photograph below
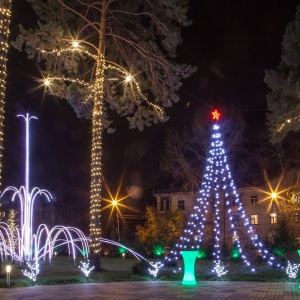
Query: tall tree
83, 46
5, 12
284, 82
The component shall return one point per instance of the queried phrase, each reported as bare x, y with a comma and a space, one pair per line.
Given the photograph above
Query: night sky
230, 42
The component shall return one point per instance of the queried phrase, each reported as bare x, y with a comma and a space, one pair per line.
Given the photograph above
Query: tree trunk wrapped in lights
5, 12
83, 45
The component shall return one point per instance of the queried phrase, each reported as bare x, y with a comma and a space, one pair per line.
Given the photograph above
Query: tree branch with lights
83, 46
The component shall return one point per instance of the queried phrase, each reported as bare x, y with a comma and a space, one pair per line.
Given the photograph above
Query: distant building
262, 213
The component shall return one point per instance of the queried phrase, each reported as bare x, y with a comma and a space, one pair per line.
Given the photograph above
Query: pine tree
215, 206
283, 99
84, 45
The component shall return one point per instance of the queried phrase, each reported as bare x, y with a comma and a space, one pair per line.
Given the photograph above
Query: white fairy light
85, 268
155, 268
219, 268
33, 271
292, 270
218, 181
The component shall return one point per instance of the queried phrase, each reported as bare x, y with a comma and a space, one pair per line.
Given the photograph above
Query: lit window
296, 198
2, 215
235, 238
253, 200
296, 217
197, 237
164, 203
254, 219
181, 204
273, 218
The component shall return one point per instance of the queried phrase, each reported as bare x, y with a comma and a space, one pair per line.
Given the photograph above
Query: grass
63, 271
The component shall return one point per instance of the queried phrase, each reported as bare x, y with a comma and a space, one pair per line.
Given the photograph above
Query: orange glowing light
115, 203
216, 115
274, 195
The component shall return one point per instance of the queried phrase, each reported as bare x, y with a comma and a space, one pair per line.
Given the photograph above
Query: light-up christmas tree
217, 206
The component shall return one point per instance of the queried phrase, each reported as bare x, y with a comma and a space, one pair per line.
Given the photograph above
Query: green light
235, 253
298, 252
201, 254
158, 250
189, 258
122, 250
279, 252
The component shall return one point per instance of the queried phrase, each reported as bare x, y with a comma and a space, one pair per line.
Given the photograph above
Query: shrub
140, 268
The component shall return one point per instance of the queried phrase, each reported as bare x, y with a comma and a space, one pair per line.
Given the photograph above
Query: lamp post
115, 204
8, 269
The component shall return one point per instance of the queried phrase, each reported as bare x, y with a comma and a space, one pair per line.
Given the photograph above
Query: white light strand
32, 272
85, 268
292, 270
155, 268
219, 268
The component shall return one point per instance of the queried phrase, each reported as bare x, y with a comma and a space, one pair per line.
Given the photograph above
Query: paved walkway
157, 290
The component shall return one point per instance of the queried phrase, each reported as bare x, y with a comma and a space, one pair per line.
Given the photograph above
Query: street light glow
128, 78
47, 82
75, 44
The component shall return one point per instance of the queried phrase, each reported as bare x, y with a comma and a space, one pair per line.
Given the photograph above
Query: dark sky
230, 42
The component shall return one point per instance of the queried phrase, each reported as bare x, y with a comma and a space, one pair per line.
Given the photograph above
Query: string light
85, 268
95, 90
292, 270
155, 268
218, 184
220, 269
32, 272
5, 13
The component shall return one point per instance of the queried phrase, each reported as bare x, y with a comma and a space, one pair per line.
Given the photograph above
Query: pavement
157, 290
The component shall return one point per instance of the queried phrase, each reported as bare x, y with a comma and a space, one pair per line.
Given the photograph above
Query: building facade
259, 204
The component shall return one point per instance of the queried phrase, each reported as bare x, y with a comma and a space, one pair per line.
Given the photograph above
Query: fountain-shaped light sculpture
29, 246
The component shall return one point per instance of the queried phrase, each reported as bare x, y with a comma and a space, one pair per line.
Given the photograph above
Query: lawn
63, 271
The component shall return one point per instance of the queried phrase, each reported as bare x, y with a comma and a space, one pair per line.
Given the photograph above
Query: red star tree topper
215, 115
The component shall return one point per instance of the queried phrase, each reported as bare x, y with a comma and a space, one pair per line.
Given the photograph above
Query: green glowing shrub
235, 253
202, 254
158, 249
278, 252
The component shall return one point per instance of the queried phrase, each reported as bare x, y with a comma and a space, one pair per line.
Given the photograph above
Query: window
235, 220
235, 238
296, 198
254, 219
181, 204
253, 200
2, 215
296, 216
197, 237
273, 218
164, 203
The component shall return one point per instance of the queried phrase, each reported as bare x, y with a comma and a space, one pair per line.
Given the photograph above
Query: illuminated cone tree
105, 56
214, 208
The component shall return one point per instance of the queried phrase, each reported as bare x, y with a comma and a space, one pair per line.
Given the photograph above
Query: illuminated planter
189, 258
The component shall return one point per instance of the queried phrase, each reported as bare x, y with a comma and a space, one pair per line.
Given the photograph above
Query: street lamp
115, 204
8, 269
